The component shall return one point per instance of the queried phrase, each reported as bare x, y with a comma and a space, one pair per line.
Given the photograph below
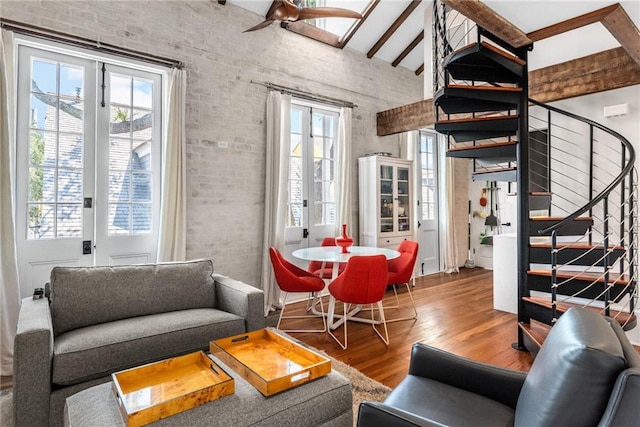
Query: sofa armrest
32, 358
241, 299
378, 414
499, 384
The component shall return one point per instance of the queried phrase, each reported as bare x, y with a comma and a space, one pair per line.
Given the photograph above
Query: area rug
364, 388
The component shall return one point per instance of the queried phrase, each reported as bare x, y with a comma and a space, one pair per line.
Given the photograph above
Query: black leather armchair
586, 373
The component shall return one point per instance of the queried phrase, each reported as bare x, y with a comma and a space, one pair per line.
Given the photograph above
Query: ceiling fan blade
260, 26
327, 12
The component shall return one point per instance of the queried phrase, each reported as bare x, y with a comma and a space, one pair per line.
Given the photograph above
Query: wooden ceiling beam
624, 30
358, 24
408, 49
392, 29
420, 69
600, 72
571, 24
488, 19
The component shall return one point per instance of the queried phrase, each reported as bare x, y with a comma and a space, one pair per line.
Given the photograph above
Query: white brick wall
225, 185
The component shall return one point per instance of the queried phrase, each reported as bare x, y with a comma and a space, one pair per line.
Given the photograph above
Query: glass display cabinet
386, 200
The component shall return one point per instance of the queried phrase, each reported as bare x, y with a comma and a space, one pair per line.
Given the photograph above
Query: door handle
305, 233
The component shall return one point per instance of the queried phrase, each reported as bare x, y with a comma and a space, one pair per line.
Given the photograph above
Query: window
312, 170
428, 162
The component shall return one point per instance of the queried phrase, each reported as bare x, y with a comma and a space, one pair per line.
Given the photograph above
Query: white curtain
173, 209
9, 287
276, 179
344, 213
449, 229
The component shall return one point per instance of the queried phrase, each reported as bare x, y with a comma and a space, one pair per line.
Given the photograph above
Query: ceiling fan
290, 11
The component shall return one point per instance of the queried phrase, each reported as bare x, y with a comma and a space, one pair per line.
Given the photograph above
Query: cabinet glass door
404, 207
386, 199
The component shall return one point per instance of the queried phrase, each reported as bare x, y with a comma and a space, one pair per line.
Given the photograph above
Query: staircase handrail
604, 193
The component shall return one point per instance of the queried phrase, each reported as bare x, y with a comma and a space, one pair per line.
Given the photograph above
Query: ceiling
404, 47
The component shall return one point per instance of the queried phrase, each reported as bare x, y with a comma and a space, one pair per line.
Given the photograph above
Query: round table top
334, 253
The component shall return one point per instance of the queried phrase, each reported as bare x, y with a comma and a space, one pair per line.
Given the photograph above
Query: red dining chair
291, 278
315, 267
363, 281
400, 272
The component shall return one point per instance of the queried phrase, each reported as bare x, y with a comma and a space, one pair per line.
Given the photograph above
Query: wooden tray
269, 361
158, 390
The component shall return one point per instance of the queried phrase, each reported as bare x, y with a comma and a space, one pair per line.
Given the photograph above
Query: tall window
428, 162
312, 170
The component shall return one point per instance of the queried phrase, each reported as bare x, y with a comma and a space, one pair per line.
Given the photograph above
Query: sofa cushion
442, 404
99, 350
573, 374
85, 296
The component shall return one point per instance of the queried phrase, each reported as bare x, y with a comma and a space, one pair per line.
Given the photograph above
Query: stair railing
624, 184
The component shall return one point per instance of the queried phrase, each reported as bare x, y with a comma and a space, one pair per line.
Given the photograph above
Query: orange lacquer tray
269, 361
158, 390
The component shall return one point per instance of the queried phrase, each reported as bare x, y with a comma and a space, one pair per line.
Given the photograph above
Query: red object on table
344, 241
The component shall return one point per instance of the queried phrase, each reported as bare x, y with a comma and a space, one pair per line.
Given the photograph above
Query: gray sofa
100, 320
586, 373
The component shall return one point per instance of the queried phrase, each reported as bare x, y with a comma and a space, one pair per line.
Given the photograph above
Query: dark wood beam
600, 72
408, 49
392, 29
407, 117
420, 69
358, 24
222, 2
624, 30
488, 19
571, 24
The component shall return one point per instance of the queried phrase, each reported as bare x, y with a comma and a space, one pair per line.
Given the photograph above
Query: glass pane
295, 168
295, 215
119, 150
296, 121
42, 148
44, 77
120, 121
69, 220
330, 126
403, 174
142, 125
141, 188
119, 184
120, 90
296, 145
42, 113
70, 150
318, 148
295, 191
69, 185
142, 93
386, 225
41, 221
317, 125
119, 219
42, 184
71, 116
141, 218
386, 207
141, 158
386, 172
317, 214
318, 170
72, 81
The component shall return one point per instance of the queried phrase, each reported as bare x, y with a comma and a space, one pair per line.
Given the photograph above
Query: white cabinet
386, 201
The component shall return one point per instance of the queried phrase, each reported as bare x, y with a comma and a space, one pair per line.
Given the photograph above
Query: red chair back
291, 278
401, 268
363, 281
315, 266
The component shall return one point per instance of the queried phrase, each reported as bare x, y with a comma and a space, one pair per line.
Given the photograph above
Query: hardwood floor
455, 313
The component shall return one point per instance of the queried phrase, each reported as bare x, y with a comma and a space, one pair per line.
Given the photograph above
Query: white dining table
334, 254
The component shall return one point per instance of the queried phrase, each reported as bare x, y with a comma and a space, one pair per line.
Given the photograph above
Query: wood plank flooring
455, 313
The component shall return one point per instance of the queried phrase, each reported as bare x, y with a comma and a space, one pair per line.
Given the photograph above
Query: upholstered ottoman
326, 401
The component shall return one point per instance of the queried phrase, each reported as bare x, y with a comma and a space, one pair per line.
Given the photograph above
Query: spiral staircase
575, 179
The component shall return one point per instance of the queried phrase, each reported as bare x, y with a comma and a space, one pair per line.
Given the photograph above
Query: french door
428, 230
311, 209
88, 164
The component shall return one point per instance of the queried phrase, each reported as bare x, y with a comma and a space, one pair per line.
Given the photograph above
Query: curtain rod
77, 41
306, 95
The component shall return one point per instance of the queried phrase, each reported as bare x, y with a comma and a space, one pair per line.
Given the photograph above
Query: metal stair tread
502, 175
558, 218
484, 62
476, 119
625, 319
615, 279
537, 331
481, 146
575, 245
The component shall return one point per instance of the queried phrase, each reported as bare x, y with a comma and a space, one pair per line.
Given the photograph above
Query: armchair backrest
363, 281
574, 374
401, 268
291, 278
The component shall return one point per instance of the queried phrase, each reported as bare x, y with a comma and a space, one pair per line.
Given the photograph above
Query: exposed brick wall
225, 185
